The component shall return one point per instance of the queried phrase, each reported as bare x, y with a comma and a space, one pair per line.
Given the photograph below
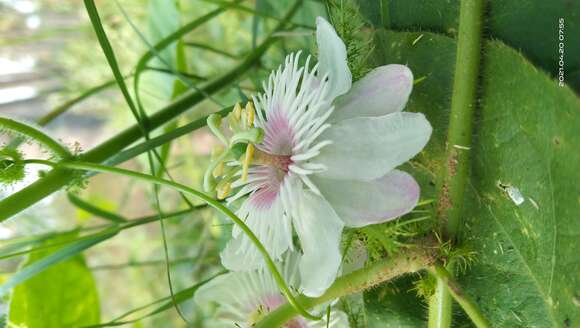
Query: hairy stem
463, 299
60, 177
407, 261
463, 101
31, 133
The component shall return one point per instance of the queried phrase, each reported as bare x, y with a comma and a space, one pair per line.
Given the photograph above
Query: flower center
281, 162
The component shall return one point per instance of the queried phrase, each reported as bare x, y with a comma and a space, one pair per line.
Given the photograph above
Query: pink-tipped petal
361, 203
332, 59
263, 213
366, 148
382, 91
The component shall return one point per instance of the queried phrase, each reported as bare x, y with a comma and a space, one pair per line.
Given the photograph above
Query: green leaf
508, 21
62, 296
34, 268
395, 305
525, 137
528, 253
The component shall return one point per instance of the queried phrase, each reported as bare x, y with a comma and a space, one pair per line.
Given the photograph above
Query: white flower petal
360, 203
237, 295
269, 224
319, 230
240, 255
332, 58
366, 148
382, 91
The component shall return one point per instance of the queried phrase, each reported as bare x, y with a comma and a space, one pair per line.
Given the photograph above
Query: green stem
197, 194
463, 101
174, 37
94, 210
140, 117
209, 48
138, 264
463, 299
30, 133
58, 178
182, 296
408, 261
32, 240
385, 14
257, 13
111, 58
162, 139
440, 305
56, 112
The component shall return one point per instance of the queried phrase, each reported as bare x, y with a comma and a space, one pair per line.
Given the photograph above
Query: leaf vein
525, 263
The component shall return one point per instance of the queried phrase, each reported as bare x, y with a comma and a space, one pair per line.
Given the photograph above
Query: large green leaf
527, 139
61, 296
531, 26
527, 270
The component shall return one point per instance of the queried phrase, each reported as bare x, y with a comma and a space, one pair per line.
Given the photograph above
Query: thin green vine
174, 37
83, 166
61, 109
140, 117
58, 178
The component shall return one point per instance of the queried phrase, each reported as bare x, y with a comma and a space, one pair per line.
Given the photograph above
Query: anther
247, 161
250, 113
237, 111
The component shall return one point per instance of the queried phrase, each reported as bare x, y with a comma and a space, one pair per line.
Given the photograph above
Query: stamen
280, 134
237, 111
250, 113
247, 161
224, 167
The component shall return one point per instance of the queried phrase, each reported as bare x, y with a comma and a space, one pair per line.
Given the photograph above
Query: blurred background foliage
49, 54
